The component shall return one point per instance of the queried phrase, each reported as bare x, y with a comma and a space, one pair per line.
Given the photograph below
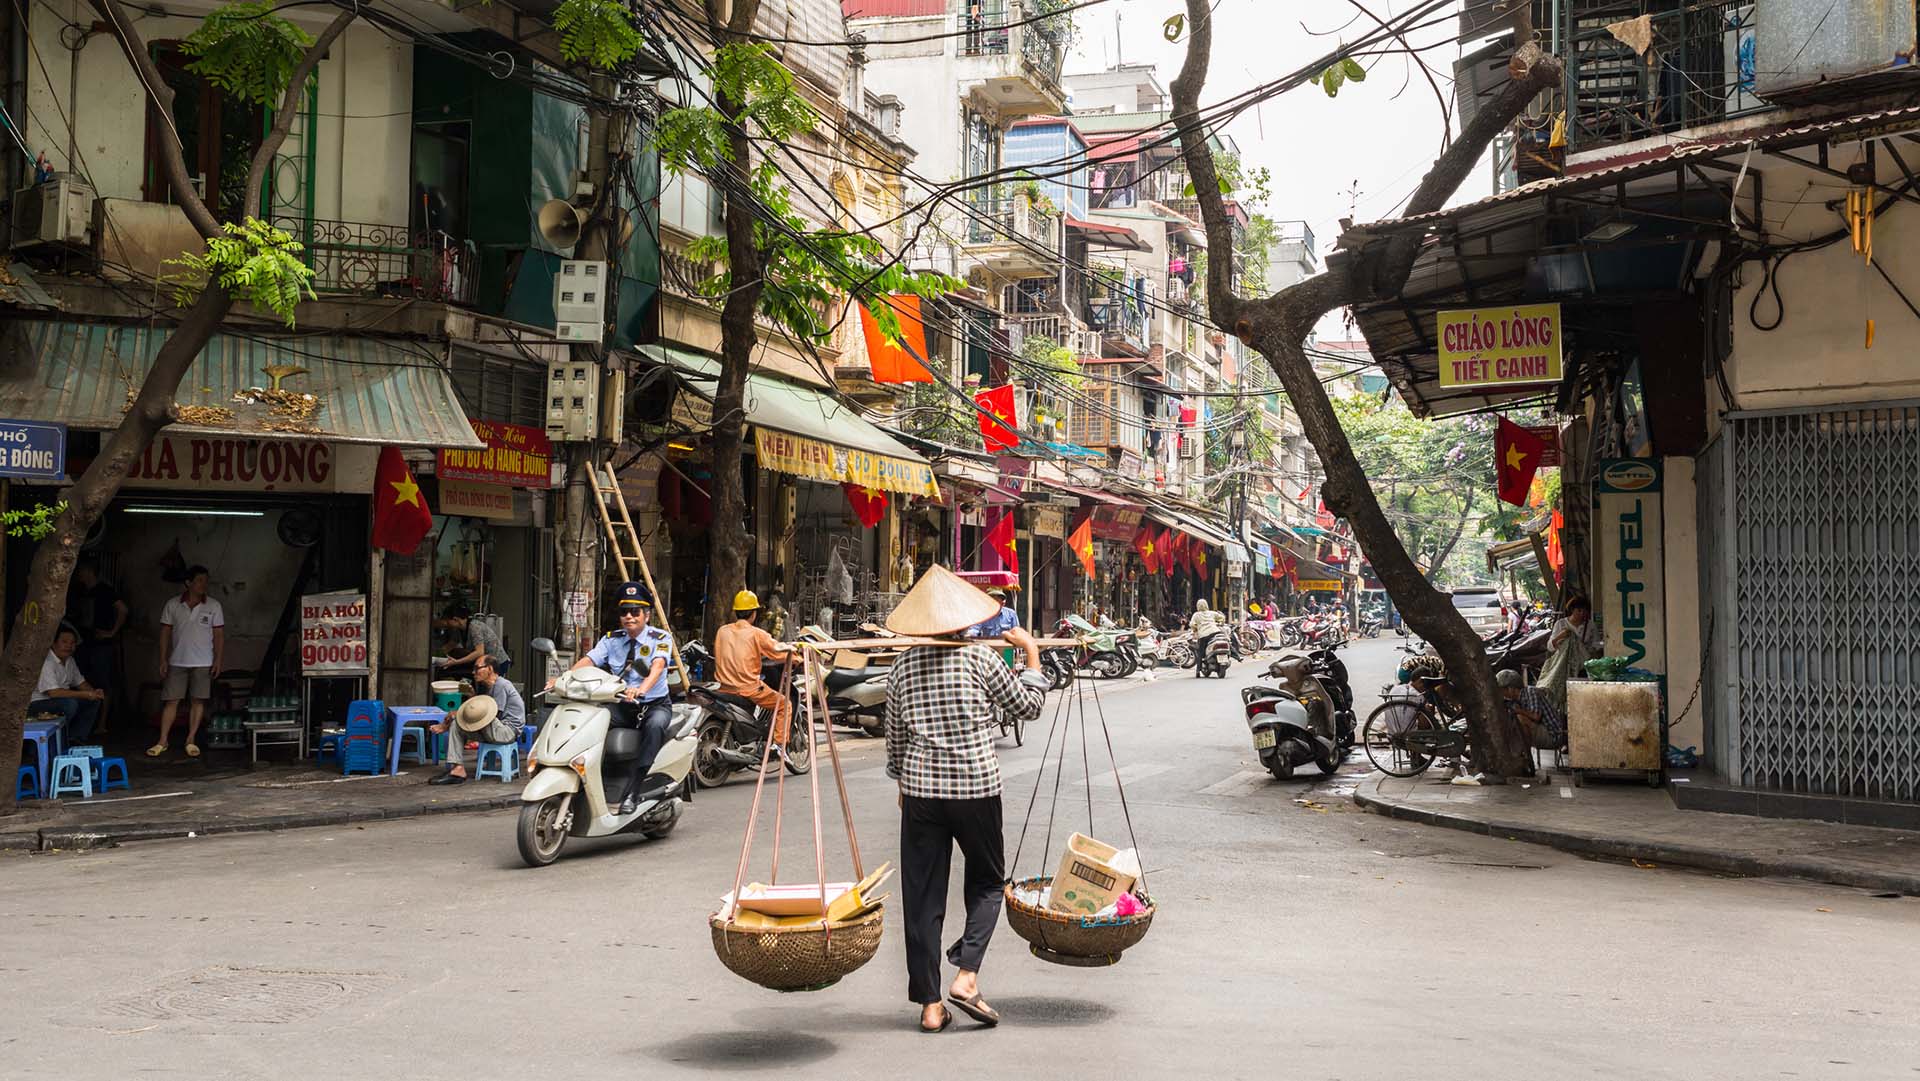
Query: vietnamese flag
1516, 456
1000, 535
1200, 562
998, 404
1143, 544
869, 504
1166, 551
1081, 541
897, 361
400, 515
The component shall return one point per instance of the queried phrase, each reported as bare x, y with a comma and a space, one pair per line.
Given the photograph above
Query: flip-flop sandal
193, 750
156, 750
946, 1019
974, 1008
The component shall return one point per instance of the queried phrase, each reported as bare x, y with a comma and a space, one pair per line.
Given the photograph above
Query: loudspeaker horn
561, 223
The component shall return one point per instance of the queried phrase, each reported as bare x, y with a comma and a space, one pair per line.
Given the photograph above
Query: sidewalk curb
81, 838
1648, 851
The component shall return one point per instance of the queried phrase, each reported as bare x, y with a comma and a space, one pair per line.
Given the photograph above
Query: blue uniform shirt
998, 625
611, 654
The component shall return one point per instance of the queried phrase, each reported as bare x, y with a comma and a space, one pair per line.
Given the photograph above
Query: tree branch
1222, 304
290, 102
173, 161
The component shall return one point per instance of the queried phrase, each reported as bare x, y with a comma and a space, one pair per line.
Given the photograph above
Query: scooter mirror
541, 645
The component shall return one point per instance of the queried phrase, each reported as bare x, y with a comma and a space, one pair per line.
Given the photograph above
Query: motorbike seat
1260, 691
623, 744
734, 700
839, 679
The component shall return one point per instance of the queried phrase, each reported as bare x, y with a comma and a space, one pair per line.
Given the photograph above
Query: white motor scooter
576, 750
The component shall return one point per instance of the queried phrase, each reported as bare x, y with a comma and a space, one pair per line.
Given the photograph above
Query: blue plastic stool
28, 786
506, 761
527, 735
78, 766
103, 779
330, 744
416, 743
86, 750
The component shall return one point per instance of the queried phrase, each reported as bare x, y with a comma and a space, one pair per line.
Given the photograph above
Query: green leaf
1352, 69
1173, 27
1331, 79
247, 51
1189, 190
599, 32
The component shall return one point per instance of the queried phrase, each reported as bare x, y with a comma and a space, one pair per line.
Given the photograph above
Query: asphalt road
1297, 938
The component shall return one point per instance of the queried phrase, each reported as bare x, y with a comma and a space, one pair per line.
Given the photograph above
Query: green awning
830, 441
367, 390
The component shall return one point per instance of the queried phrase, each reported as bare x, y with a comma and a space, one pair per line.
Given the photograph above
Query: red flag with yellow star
400, 514
1000, 535
869, 504
998, 404
1164, 551
1143, 544
1081, 541
1517, 453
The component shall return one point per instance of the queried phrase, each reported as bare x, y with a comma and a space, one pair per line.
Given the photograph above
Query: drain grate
256, 996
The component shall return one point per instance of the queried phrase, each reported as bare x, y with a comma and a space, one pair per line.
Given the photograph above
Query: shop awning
368, 390
807, 432
1236, 552
1194, 526
1107, 235
1093, 495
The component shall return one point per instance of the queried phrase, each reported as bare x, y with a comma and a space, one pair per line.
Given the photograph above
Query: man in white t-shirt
192, 642
62, 690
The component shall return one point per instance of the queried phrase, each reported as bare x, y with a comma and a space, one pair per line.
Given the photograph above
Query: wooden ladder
624, 541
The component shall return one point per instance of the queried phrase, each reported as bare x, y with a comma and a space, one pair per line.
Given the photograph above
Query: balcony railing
1002, 214
1041, 45
1704, 72
369, 259
1120, 322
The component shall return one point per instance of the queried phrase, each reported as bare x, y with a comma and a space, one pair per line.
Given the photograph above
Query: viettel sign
1491, 347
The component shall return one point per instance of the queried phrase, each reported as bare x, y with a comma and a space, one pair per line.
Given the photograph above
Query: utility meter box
573, 400
580, 300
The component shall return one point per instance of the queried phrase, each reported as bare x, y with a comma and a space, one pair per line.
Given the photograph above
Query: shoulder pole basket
803, 957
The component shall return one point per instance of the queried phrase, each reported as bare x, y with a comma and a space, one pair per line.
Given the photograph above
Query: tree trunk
1277, 326
739, 338
45, 601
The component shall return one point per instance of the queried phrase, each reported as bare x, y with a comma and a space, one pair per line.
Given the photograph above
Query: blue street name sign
33, 450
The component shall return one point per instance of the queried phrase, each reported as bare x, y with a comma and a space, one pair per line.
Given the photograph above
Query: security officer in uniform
638, 654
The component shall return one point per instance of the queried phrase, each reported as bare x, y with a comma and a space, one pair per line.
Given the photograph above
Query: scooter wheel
541, 834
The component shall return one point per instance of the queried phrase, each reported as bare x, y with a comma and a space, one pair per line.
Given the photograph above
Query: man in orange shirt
739, 648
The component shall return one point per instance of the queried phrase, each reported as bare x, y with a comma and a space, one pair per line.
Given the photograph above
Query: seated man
509, 717
1540, 720
739, 649
62, 690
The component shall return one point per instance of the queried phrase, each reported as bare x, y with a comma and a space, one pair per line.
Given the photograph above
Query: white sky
1375, 137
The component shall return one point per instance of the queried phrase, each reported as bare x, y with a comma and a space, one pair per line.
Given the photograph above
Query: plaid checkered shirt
943, 708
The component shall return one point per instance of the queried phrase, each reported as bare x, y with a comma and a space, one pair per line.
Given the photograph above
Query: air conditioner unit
573, 400
1189, 446
58, 211
580, 300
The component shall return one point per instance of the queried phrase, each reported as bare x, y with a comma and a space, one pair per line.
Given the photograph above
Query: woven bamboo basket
797, 958
1082, 941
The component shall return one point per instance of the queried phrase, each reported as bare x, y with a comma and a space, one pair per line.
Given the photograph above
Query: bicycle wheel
1385, 737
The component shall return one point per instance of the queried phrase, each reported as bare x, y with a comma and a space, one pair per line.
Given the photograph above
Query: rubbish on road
1466, 782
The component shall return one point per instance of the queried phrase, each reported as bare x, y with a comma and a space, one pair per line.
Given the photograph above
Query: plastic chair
330, 744
527, 735
506, 758
28, 784
416, 743
77, 766
103, 779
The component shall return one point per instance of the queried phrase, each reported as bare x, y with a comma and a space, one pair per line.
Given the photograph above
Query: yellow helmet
745, 601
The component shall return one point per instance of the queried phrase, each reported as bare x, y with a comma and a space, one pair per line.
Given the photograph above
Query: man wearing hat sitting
495, 715
638, 654
739, 649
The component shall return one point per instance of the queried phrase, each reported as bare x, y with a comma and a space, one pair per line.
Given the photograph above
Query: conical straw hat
941, 602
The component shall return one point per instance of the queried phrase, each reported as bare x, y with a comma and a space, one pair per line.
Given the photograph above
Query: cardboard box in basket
1088, 879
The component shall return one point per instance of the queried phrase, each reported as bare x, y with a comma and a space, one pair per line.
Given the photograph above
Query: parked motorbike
733, 734
1058, 663
1178, 649
1215, 657
1319, 677
577, 753
1288, 733
1102, 652
856, 697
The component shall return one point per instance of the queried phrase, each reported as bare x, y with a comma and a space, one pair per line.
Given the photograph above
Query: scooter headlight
579, 764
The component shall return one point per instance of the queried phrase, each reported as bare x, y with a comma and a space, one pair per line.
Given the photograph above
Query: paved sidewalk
175, 798
1631, 821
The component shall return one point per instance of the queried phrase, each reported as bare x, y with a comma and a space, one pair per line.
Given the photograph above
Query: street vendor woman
943, 705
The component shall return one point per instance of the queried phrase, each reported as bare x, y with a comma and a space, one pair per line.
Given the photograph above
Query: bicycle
1405, 733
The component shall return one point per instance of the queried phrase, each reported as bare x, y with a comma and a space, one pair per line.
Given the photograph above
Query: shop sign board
231, 464
1115, 523
1046, 521
1310, 585
1630, 580
818, 460
1491, 347
459, 497
515, 455
333, 634
33, 450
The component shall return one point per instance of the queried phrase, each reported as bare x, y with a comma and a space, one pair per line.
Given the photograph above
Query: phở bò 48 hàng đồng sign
1489, 347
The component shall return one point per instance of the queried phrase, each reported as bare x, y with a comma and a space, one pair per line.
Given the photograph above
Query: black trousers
652, 719
929, 828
